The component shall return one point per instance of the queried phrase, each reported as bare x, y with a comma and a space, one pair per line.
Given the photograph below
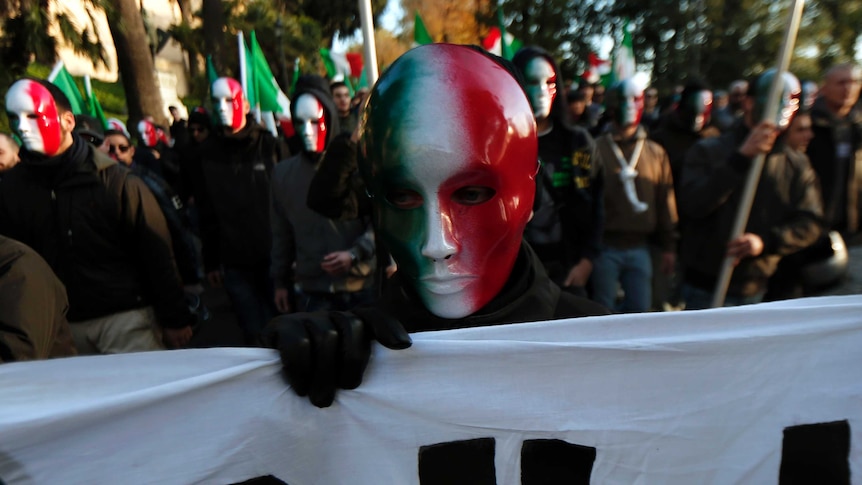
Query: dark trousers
251, 294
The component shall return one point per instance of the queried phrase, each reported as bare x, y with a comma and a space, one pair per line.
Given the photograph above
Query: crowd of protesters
119, 232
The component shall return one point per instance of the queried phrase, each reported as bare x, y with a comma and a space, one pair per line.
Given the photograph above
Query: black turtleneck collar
247, 134
58, 167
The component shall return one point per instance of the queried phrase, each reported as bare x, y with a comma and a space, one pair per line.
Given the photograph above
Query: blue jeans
251, 294
700, 299
630, 268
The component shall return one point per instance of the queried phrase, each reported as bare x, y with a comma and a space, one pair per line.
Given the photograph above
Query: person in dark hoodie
237, 162
566, 228
685, 125
449, 157
328, 261
97, 226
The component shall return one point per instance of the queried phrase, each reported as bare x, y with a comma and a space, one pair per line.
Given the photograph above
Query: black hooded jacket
569, 209
235, 207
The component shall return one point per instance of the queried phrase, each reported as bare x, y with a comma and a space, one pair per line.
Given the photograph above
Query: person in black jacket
237, 163
786, 214
566, 229
449, 157
98, 227
118, 145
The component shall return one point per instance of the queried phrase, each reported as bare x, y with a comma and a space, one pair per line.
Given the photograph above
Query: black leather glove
324, 351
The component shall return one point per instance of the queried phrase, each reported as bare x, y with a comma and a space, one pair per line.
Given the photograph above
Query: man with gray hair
836, 150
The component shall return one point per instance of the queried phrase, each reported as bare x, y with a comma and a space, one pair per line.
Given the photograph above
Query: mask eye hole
473, 195
404, 199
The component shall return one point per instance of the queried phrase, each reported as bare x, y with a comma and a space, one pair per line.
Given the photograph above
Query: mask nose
439, 243
23, 125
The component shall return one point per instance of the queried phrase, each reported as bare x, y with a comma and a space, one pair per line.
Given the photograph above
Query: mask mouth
448, 284
542, 106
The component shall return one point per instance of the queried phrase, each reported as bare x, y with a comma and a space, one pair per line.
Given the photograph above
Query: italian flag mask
450, 156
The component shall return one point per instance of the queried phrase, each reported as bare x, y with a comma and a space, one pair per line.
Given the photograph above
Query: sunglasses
118, 148
93, 140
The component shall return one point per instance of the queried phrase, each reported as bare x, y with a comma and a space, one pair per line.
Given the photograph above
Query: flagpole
750, 189
55, 71
370, 48
243, 69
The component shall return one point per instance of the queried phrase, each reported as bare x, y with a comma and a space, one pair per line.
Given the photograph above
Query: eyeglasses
118, 148
196, 130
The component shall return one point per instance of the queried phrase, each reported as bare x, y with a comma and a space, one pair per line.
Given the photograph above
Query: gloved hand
324, 351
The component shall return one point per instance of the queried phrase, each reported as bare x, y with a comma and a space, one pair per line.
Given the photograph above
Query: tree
25, 34
335, 17
568, 29
389, 47
455, 21
213, 16
136, 66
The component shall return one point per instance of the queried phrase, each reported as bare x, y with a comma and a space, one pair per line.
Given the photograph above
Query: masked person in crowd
97, 226
330, 262
639, 204
786, 215
449, 156
565, 230
683, 126
237, 162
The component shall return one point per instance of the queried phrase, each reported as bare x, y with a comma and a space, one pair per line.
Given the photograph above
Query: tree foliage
453, 21
568, 29
717, 40
334, 17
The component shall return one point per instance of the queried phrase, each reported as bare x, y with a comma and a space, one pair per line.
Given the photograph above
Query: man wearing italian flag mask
449, 157
235, 229
639, 204
97, 225
566, 228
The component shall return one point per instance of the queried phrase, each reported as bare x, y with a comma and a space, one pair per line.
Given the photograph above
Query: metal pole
370, 49
750, 189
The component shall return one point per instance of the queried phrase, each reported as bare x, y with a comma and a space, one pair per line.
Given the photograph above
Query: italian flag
420, 33
624, 57
599, 68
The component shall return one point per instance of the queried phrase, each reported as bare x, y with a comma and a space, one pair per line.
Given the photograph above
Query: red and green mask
228, 102
627, 98
310, 121
788, 104
541, 86
34, 117
450, 155
696, 110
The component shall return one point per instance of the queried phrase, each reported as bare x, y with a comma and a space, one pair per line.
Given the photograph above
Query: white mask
310, 123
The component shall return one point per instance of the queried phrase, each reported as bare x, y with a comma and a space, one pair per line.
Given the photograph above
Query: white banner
686, 397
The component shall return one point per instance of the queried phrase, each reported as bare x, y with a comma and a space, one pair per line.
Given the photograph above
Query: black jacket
786, 213
235, 207
528, 296
100, 230
842, 188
